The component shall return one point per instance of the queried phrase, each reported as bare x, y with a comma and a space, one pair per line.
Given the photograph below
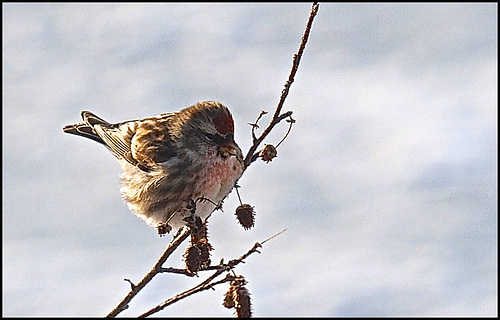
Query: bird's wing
153, 142
143, 143
117, 138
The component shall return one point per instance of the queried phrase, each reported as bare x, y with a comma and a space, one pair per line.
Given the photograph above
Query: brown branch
172, 246
185, 232
256, 126
175, 270
291, 121
205, 285
252, 155
208, 284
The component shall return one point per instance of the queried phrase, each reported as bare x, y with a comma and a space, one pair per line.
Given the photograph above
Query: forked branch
210, 282
277, 117
184, 233
172, 246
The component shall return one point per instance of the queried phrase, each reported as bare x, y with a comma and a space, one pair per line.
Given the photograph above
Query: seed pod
243, 303
245, 215
198, 230
205, 249
197, 256
163, 229
229, 298
268, 153
192, 259
238, 297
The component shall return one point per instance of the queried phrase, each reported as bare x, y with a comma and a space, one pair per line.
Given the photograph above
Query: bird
175, 165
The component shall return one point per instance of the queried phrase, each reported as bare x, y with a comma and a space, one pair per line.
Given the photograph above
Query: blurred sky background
387, 183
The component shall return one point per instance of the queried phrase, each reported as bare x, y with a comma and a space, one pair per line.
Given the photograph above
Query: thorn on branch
284, 116
132, 285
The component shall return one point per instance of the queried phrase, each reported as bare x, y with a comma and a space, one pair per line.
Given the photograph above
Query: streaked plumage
170, 159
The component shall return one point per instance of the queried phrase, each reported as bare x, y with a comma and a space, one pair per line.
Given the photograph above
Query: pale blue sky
387, 183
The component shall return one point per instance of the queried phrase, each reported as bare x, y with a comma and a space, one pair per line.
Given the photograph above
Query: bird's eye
218, 139
215, 138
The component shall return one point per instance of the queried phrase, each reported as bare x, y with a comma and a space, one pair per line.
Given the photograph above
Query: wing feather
144, 143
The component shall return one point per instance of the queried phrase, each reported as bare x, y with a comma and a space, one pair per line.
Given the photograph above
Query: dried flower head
268, 153
245, 215
238, 297
163, 229
192, 259
197, 256
205, 249
198, 228
243, 303
229, 299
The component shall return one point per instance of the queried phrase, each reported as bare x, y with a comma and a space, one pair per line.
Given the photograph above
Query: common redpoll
174, 164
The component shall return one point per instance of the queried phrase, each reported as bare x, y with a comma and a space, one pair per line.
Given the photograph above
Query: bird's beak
229, 149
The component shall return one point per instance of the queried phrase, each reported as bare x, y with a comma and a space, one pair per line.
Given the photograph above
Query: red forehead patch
224, 123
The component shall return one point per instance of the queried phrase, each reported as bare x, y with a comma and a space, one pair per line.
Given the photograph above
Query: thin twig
208, 284
238, 193
185, 232
273, 236
291, 121
201, 287
277, 117
172, 246
175, 270
256, 125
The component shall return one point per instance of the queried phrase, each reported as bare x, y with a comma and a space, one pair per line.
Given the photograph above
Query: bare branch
255, 125
183, 234
283, 116
291, 121
252, 155
175, 270
208, 284
173, 245
201, 287
273, 236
